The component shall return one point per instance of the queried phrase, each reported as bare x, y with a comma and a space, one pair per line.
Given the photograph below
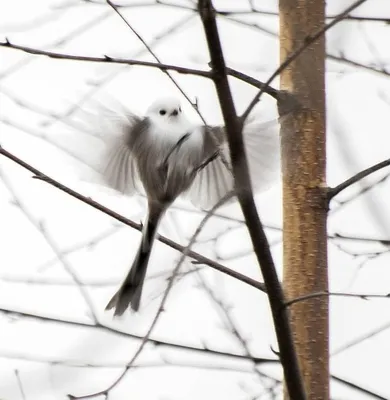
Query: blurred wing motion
262, 146
118, 129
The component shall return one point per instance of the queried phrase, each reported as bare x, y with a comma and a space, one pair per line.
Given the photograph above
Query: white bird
164, 155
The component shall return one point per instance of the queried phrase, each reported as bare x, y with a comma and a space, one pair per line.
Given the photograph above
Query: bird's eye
162, 112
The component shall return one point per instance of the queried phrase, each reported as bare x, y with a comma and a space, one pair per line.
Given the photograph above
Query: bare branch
362, 338
254, 82
287, 102
385, 242
105, 59
359, 388
366, 19
20, 384
88, 244
357, 64
77, 363
119, 333
245, 197
332, 192
52, 281
336, 294
365, 189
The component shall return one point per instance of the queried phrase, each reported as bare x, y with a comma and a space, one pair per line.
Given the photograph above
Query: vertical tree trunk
304, 187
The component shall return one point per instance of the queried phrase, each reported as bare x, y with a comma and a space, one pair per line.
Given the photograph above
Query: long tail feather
130, 292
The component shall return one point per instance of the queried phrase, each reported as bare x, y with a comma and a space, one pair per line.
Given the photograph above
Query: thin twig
20, 384
336, 294
287, 102
87, 244
40, 227
254, 82
154, 55
368, 335
356, 64
332, 192
339, 236
118, 333
76, 363
355, 386
306, 43
53, 281
230, 324
114, 74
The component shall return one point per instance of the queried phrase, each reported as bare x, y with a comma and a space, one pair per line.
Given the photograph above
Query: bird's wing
120, 130
261, 141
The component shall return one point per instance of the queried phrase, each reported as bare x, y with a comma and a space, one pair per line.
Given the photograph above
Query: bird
164, 155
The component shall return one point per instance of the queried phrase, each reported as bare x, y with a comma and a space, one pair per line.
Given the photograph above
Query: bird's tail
131, 290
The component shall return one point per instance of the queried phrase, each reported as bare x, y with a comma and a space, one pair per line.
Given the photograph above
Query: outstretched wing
119, 130
261, 141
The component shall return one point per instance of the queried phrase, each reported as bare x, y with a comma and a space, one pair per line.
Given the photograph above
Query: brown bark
304, 191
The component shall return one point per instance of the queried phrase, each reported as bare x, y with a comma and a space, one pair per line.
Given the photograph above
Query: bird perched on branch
164, 155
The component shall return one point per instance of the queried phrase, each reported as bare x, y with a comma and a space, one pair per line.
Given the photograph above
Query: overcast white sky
45, 234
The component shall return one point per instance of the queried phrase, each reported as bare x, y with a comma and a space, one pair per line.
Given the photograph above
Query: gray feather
261, 141
119, 163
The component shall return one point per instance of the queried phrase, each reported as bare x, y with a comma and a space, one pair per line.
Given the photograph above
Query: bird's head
167, 112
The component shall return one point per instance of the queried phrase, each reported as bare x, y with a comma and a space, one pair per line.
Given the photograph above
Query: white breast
171, 133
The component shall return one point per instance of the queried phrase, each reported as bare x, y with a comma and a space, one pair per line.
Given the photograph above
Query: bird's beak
174, 113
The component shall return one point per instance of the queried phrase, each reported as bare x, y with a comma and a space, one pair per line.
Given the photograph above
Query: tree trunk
304, 189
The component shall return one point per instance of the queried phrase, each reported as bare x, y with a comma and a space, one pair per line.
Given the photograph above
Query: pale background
46, 236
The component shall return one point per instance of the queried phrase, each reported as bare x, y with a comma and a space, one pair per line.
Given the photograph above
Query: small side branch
332, 192
20, 384
362, 296
287, 102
